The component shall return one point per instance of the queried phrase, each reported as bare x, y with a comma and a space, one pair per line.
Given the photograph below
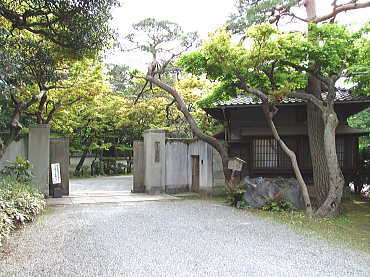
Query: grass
350, 229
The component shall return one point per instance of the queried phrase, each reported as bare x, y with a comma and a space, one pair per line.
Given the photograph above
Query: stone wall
16, 149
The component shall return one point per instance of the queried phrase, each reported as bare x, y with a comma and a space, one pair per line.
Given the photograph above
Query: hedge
19, 201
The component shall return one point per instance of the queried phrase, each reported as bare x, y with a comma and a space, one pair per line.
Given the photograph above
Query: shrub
18, 170
19, 202
278, 206
236, 198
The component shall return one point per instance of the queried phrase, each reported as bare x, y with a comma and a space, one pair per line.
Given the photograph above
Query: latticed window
339, 145
268, 154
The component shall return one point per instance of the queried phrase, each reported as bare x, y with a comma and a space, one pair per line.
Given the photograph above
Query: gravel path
178, 238
101, 184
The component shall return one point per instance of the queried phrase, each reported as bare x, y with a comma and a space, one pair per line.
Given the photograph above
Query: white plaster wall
177, 165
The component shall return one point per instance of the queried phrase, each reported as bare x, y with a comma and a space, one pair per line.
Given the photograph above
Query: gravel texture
101, 184
177, 238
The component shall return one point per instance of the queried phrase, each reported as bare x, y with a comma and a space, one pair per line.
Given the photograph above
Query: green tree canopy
81, 25
277, 62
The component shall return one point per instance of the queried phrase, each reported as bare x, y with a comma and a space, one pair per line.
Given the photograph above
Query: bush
18, 170
236, 198
278, 206
19, 202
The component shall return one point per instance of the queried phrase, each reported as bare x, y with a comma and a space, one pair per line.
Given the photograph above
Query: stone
57, 193
261, 190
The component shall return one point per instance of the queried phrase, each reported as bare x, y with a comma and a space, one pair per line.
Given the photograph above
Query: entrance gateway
175, 165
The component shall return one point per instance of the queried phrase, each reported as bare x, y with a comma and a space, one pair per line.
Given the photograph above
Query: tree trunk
230, 183
2, 148
293, 159
14, 129
330, 207
83, 157
315, 128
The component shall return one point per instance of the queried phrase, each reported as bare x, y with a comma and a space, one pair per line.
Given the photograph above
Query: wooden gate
195, 173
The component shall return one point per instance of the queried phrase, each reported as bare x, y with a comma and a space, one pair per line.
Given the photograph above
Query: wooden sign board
236, 164
55, 173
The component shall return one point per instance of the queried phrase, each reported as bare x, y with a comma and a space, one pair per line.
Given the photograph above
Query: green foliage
362, 121
18, 170
250, 12
235, 198
364, 157
81, 26
271, 61
40, 43
161, 38
278, 206
19, 204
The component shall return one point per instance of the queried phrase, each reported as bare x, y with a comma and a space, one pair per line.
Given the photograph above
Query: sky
203, 16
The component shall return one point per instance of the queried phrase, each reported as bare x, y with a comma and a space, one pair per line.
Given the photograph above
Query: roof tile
341, 96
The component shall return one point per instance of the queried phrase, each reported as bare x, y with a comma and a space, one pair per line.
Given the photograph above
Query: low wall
73, 161
179, 154
16, 149
184, 164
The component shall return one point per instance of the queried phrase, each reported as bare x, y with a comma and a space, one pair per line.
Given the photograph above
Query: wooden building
248, 136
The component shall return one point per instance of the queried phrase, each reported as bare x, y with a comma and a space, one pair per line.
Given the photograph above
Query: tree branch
184, 110
308, 97
352, 74
341, 8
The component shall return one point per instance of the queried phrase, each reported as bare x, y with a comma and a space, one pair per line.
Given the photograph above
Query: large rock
261, 190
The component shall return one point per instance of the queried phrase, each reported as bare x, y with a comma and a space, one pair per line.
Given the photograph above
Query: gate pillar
139, 167
155, 161
38, 155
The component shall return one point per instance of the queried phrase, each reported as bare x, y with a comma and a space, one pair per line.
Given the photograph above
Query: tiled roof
341, 96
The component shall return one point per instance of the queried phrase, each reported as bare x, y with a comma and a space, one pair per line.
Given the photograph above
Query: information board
236, 164
55, 173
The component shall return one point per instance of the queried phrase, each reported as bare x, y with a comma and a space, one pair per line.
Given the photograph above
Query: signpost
55, 173
236, 164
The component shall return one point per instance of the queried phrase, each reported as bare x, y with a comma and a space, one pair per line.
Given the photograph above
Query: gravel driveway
101, 184
177, 238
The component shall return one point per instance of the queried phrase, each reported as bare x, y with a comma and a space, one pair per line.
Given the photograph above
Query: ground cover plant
351, 228
19, 201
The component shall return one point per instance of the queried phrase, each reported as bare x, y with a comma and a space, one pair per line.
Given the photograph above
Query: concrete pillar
139, 167
155, 161
59, 153
38, 155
